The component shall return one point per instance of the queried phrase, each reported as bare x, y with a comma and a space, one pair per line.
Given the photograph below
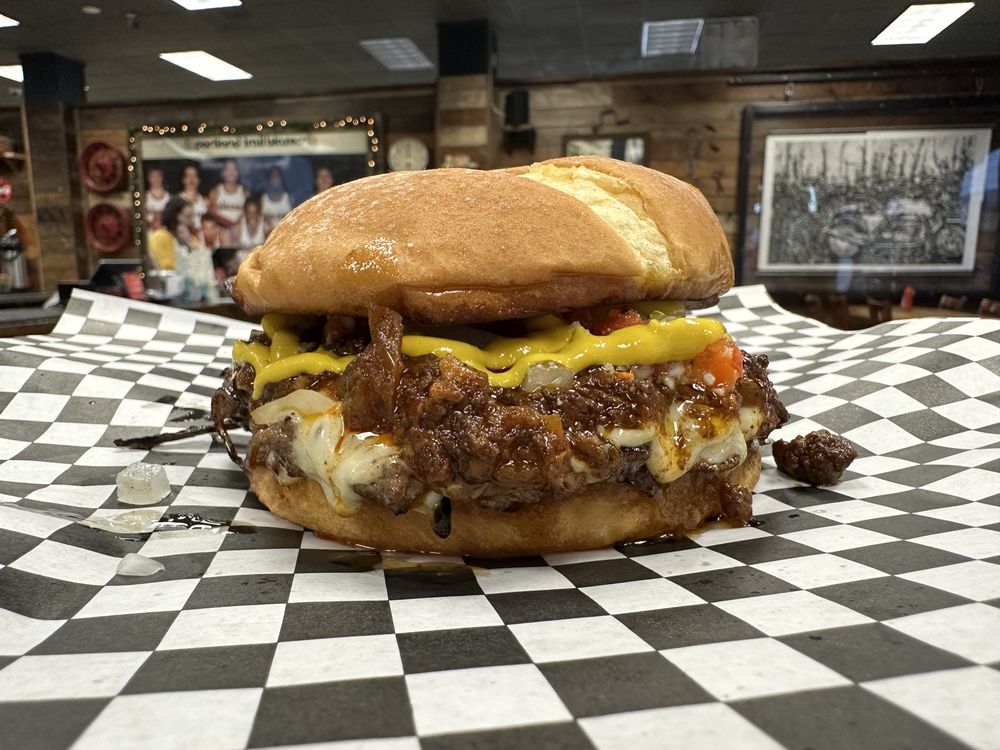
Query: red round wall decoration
102, 167
108, 228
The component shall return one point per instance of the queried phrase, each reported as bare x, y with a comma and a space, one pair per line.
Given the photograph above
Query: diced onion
131, 522
302, 401
628, 438
547, 375
138, 565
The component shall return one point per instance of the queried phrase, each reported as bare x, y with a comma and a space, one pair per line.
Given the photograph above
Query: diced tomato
615, 319
720, 365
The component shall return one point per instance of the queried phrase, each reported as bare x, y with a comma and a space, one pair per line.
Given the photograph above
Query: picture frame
866, 198
199, 160
630, 147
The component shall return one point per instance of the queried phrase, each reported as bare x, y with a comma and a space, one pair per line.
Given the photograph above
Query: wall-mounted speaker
515, 108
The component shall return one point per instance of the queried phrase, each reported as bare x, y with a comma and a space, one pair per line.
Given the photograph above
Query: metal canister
13, 263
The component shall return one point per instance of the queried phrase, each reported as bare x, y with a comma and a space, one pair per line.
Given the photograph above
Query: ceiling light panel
206, 65
207, 4
677, 37
12, 73
918, 24
397, 53
8, 21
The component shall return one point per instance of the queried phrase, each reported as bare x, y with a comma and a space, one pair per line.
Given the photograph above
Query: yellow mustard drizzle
283, 344
498, 355
273, 322
257, 355
505, 361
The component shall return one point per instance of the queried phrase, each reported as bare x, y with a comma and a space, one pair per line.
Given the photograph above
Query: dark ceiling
311, 46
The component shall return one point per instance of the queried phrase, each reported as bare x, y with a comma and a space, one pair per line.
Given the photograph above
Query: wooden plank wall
21, 204
694, 124
466, 128
52, 161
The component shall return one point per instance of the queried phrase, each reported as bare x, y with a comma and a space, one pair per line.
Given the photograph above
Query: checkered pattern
864, 615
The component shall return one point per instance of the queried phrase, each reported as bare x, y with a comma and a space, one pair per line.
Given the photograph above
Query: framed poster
865, 198
884, 200
241, 181
629, 147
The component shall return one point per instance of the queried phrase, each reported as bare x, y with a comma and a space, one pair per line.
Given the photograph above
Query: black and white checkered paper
866, 615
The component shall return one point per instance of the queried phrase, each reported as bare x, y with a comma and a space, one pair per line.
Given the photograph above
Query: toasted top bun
465, 246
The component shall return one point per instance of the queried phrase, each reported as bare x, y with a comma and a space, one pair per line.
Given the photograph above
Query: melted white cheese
621, 437
680, 444
333, 457
751, 418
338, 459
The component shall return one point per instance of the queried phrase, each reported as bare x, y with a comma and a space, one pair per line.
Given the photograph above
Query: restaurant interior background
714, 92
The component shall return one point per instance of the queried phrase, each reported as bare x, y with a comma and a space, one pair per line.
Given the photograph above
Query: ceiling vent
398, 53
678, 37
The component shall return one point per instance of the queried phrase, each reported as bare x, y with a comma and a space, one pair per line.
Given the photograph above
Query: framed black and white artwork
866, 198
882, 201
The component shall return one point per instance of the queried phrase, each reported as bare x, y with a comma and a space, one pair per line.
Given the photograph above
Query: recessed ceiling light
90, 10
678, 37
8, 21
12, 73
207, 4
206, 65
398, 53
918, 24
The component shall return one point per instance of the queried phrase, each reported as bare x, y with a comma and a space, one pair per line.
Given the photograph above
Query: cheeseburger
497, 363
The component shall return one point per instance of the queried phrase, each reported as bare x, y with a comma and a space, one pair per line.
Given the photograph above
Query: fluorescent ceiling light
398, 53
918, 24
206, 65
679, 37
207, 4
8, 21
12, 73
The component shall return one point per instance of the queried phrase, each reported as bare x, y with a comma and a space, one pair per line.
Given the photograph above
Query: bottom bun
600, 516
